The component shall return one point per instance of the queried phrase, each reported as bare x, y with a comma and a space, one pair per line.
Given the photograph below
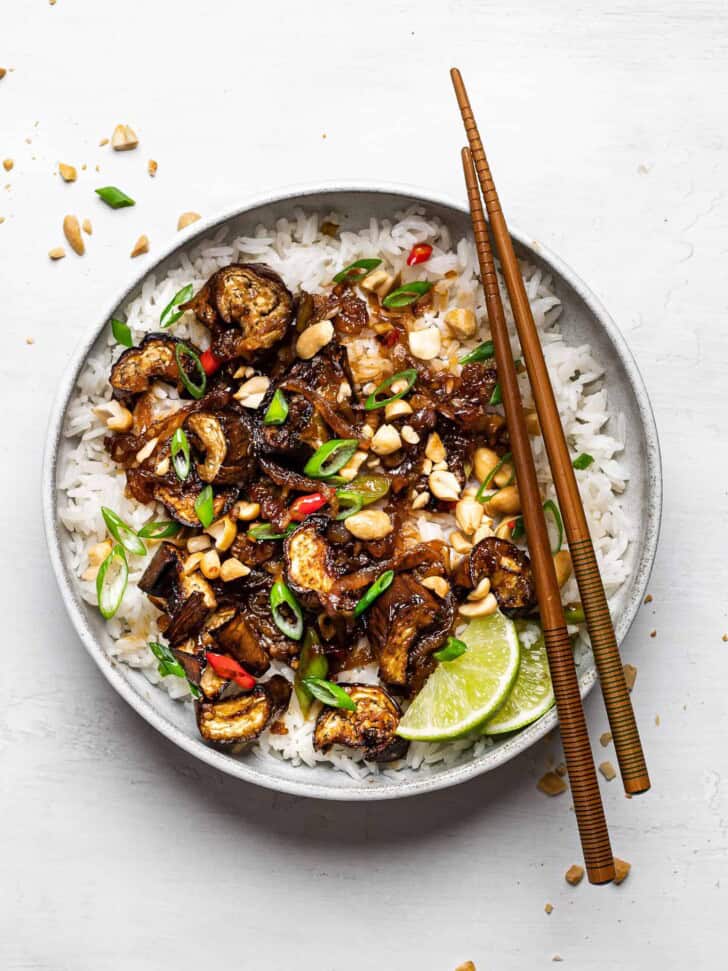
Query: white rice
306, 258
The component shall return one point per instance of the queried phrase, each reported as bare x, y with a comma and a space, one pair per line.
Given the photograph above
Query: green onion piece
329, 693
406, 294
264, 531
483, 352
453, 648
196, 390
114, 197
330, 457
497, 397
550, 507
312, 663
519, 529
110, 592
348, 505
281, 596
180, 451
122, 533
367, 488
205, 506
168, 664
574, 614
121, 332
480, 494
583, 461
277, 409
376, 590
169, 315
358, 269
410, 376
161, 530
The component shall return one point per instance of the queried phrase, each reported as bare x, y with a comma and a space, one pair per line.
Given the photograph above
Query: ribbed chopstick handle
627, 744
579, 759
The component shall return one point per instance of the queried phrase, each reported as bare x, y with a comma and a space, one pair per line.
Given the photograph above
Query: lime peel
531, 695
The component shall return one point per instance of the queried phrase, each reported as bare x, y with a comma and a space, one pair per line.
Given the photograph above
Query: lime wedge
532, 693
459, 695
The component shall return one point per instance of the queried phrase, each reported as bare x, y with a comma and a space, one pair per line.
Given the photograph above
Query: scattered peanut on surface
67, 172
141, 246
72, 232
124, 139
186, 219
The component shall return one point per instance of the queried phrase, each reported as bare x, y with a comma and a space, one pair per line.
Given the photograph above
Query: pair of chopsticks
577, 750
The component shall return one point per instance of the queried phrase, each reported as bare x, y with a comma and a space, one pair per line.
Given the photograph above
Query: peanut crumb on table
621, 870
557, 957
657, 720
152, 167
141, 246
548, 908
607, 770
630, 675
653, 633
8, 164
605, 738
67, 172
561, 768
725, 637
57, 253
574, 875
467, 966
648, 599
104, 141
186, 219
30, 340
551, 784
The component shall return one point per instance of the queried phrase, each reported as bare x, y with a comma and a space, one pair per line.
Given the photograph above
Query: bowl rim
413, 783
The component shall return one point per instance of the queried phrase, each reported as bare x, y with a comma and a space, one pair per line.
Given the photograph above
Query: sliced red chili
420, 253
305, 505
209, 362
228, 668
391, 337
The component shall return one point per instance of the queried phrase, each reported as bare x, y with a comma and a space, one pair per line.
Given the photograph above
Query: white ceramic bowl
583, 319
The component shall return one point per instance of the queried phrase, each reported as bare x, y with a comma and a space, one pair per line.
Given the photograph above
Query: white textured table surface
607, 136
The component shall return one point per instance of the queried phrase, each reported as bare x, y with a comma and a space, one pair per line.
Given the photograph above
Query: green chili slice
161, 530
330, 457
122, 532
280, 598
168, 664
121, 332
497, 397
180, 451
406, 294
410, 376
264, 531
110, 590
114, 197
169, 315
550, 507
574, 614
376, 590
277, 411
367, 488
480, 494
196, 390
453, 648
583, 461
205, 506
312, 663
483, 352
329, 693
356, 270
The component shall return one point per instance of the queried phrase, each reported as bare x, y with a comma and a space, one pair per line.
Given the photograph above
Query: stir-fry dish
295, 474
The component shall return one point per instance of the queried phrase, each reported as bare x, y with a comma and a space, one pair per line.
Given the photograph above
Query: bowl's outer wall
583, 320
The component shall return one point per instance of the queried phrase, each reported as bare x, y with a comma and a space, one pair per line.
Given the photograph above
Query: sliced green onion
205, 506
357, 269
281, 596
348, 505
121, 332
376, 590
122, 533
277, 409
518, 530
550, 507
110, 593
312, 663
114, 197
453, 648
161, 530
406, 294
264, 531
330, 457
196, 390
574, 614
410, 376
497, 397
329, 693
583, 461
367, 488
169, 315
168, 664
480, 494
483, 352
180, 451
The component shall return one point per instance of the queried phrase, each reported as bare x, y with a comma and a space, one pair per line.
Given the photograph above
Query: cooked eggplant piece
179, 499
137, 367
211, 684
188, 619
209, 437
312, 567
370, 728
170, 590
243, 718
239, 638
247, 307
395, 621
191, 656
509, 571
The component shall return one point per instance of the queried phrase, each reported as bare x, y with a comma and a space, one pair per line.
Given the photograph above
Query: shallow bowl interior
583, 320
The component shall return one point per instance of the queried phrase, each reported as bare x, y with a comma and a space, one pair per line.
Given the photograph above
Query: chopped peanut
186, 219
551, 784
57, 253
124, 139
67, 172
630, 675
72, 232
607, 770
152, 167
574, 875
621, 869
141, 246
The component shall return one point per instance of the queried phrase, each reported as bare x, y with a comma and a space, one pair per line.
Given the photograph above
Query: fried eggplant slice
239, 638
509, 571
153, 359
246, 306
394, 623
209, 437
313, 566
243, 718
370, 728
166, 585
179, 499
192, 658
188, 619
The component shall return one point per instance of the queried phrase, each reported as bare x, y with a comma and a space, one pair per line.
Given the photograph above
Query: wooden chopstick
622, 721
579, 761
